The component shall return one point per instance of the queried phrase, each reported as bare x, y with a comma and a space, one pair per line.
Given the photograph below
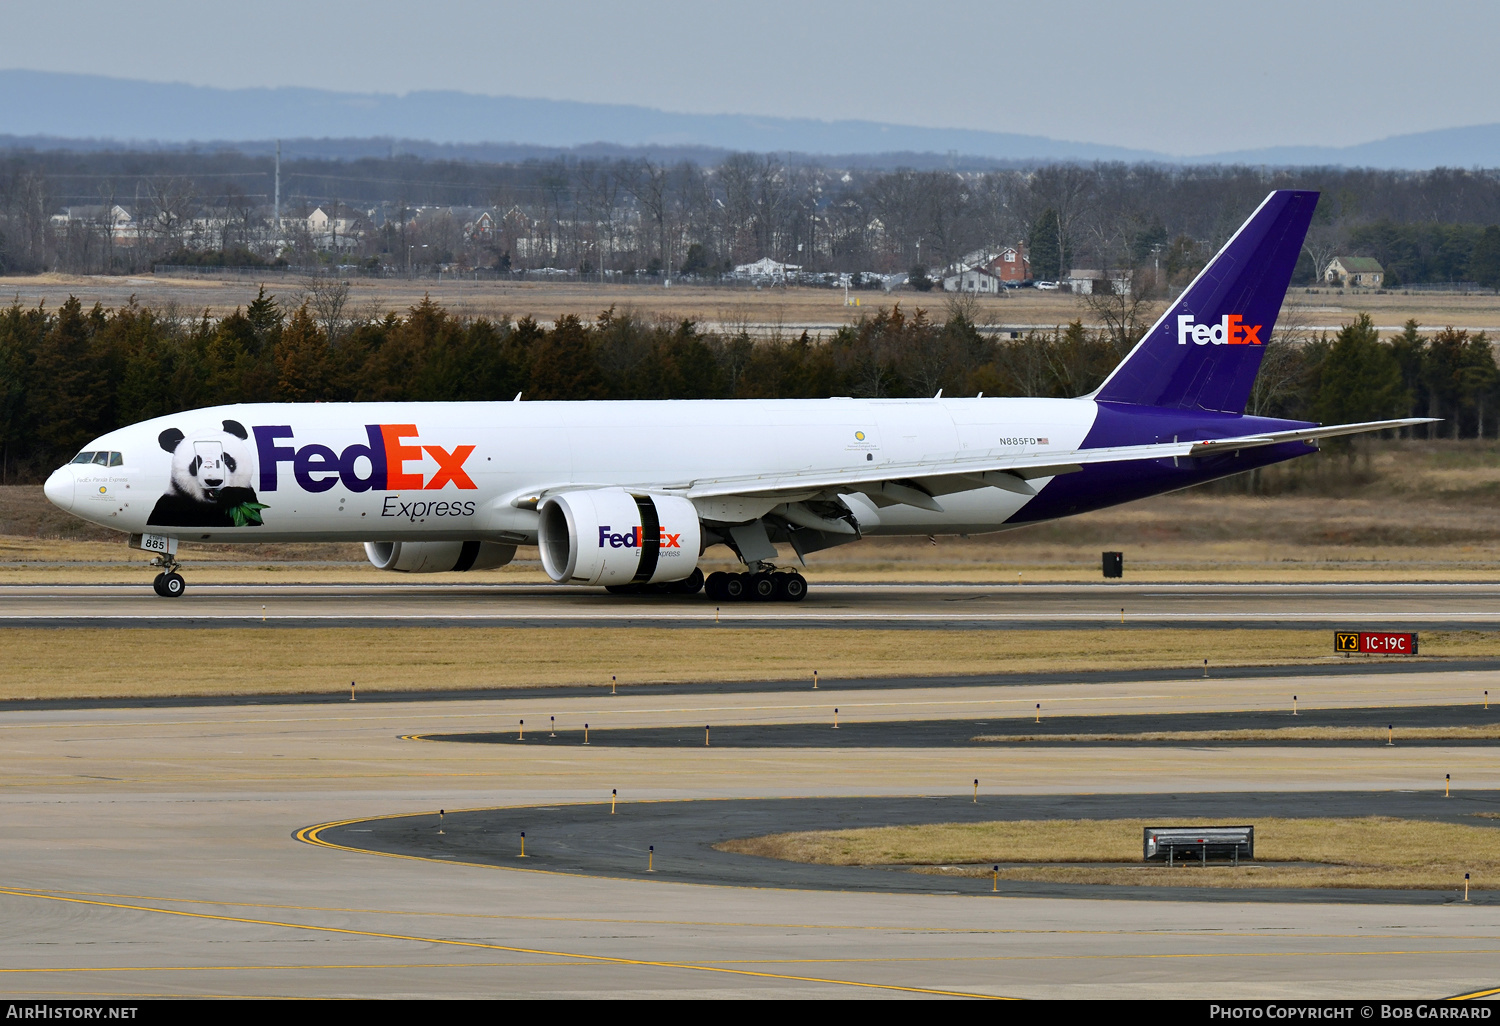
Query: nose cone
59, 488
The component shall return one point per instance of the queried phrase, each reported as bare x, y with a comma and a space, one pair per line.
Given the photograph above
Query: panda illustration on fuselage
212, 472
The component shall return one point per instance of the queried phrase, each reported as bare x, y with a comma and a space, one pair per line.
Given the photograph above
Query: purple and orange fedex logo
317, 468
631, 539
1230, 331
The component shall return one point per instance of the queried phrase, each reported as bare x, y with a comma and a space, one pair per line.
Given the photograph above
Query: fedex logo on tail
1230, 331
379, 466
631, 539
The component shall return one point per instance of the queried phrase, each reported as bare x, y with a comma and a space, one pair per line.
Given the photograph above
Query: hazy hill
62, 106
48, 110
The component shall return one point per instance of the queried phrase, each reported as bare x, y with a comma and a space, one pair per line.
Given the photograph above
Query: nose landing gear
168, 583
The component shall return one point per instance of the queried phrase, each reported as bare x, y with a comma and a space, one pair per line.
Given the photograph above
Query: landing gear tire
736, 587
763, 587
169, 585
689, 585
791, 587
715, 586
156, 585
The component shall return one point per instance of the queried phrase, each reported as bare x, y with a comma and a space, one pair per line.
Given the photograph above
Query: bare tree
171, 203
1067, 189
1323, 243
328, 299
1125, 302
648, 184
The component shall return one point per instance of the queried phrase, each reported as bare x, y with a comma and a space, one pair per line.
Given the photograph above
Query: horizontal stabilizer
1214, 445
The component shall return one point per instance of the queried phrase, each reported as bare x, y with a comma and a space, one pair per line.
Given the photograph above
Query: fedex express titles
317, 468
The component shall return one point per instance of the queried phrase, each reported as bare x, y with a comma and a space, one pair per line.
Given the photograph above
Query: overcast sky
1179, 77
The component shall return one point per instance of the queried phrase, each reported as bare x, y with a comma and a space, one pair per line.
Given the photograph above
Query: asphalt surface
154, 852
589, 840
898, 607
948, 733
1392, 667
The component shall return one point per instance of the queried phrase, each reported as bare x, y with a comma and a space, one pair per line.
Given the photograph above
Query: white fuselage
523, 448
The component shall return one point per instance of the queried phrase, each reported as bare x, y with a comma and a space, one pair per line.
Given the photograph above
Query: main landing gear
168, 583
766, 585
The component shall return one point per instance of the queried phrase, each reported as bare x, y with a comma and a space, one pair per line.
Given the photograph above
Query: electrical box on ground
1198, 843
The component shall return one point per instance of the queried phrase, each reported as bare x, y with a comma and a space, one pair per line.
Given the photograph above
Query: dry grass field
766, 310
247, 660
1367, 852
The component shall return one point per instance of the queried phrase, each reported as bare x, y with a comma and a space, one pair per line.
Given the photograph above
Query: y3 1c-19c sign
1375, 642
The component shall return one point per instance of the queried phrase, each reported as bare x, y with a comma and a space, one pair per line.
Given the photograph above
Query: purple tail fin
1206, 349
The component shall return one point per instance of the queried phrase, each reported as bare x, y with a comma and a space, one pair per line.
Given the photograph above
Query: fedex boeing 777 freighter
629, 494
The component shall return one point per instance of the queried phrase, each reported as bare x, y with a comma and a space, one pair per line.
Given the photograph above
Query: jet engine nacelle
614, 536
439, 556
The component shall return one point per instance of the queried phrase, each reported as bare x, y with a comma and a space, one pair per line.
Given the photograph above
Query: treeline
70, 374
642, 216
1431, 252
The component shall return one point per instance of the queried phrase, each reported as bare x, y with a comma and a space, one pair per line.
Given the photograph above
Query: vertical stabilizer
1205, 350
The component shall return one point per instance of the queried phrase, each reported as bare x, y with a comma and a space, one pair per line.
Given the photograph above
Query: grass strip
251, 659
1372, 851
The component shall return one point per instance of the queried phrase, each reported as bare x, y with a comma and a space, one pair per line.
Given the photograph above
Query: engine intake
614, 536
438, 557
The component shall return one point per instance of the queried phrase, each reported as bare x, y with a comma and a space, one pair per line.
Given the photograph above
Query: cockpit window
101, 458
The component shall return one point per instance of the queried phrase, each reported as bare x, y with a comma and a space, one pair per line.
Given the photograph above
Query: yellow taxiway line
591, 959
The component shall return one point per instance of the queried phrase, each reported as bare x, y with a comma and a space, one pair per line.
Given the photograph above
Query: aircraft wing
916, 483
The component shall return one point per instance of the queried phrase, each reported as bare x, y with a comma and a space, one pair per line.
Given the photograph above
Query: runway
153, 851
884, 606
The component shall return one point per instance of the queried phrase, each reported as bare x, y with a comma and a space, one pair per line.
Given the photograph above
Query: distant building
975, 279
122, 227
482, 228
1011, 264
329, 232
1087, 282
765, 267
1364, 272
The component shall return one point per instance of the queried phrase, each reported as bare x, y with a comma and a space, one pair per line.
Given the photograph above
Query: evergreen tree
1441, 375
1410, 350
1477, 378
1050, 255
563, 364
304, 369
1360, 379
1484, 260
